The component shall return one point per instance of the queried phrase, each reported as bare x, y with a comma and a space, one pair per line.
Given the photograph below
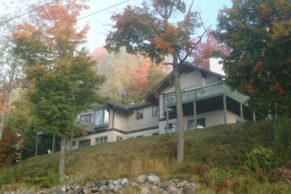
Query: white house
207, 101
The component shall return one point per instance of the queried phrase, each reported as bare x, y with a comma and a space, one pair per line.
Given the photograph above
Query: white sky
100, 23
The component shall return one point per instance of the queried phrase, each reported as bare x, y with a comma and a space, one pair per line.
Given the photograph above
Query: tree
128, 77
60, 73
10, 69
153, 30
258, 34
207, 49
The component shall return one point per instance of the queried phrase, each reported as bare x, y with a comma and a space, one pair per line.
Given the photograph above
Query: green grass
214, 157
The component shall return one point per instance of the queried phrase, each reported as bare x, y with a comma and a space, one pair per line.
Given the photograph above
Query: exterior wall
147, 121
116, 134
193, 80
189, 81
211, 119
144, 133
120, 120
110, 138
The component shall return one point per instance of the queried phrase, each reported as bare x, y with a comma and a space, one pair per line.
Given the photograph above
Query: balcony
204, 93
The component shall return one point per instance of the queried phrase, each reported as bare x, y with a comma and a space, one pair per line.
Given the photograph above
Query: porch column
254, 116
224, 109
195, 114
241, 112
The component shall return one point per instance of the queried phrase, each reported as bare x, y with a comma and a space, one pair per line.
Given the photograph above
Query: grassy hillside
214, 157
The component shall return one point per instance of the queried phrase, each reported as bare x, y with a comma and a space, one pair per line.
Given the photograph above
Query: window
173, 127
139, 136
86, 117
155, 111
101, 117
139, 114
119, 138
74, 143
199, 122
84, 143
155, 134
101, 140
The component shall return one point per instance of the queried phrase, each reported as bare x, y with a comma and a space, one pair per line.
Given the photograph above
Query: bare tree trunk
4, 114
62, 159
180, 146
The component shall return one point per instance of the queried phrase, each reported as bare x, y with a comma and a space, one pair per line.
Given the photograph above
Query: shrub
261, 159
10, 147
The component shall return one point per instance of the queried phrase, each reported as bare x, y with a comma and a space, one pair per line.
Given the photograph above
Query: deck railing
204, 93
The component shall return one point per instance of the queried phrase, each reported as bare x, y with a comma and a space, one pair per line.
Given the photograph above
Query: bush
261, 159
10, 147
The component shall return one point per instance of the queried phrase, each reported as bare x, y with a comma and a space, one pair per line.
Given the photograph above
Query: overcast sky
100, 23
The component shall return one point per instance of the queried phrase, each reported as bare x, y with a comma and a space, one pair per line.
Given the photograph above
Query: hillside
214, 158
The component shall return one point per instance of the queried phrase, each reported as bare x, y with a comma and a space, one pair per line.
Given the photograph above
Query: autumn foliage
258, 35
10, 147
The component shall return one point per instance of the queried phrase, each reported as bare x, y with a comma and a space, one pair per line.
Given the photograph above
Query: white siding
147, 121
120, 121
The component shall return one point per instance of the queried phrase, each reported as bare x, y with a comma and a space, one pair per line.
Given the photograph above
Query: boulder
141, 179
153, 179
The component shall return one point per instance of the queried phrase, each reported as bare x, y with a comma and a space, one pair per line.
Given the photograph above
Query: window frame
85, 116
139, 114
105, 117
155, 111
86, 145
101, 140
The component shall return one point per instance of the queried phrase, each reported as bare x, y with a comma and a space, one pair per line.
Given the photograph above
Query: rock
115, 182
181, 184
7, 192
145, 190
100, 183
173, 190
153, 179
80, 191
162, 191
87, 191
95, 189
141, 179
124, 182
133, 184
39, 192
117, 188
189, 188
103, 188
110, 185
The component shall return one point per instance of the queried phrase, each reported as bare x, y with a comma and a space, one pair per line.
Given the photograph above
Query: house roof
169, 80
126, 108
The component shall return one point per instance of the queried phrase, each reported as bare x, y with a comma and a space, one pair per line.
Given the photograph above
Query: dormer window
101, 117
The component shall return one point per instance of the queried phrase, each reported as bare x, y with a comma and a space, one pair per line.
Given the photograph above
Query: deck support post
195, 114
254, 116
224, 109
241, 112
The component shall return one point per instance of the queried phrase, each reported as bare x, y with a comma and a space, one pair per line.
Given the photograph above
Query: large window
101, 140
139, 114
84, 143
101, 117
155, 111
86, 118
